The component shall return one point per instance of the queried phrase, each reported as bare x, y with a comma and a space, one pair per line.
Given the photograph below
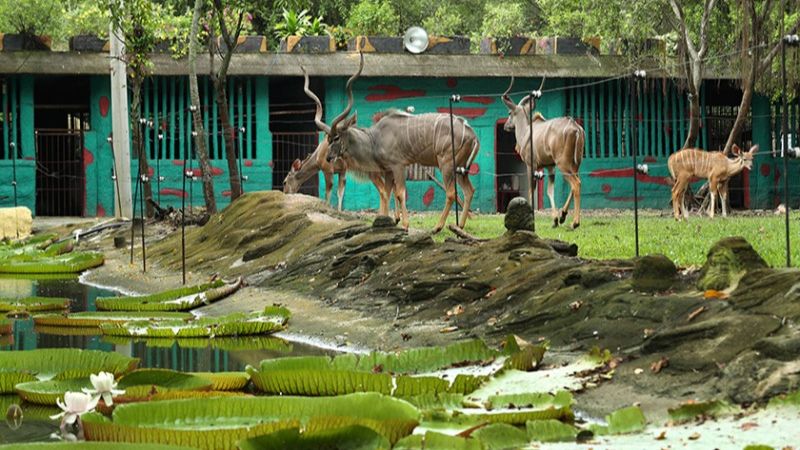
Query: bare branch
681, 22
709, 7
776, 47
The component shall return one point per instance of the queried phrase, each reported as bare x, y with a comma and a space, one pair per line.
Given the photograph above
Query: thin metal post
455, 98
638, 75
141, 210
183, 220
133, 214
532, 165
239, 159
114, 176
785, 40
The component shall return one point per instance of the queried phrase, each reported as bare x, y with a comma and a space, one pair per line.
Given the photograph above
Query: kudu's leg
328, 185
713, 189
383, 193
400, 194
551, 194
723, 197
450, 193
677, 198
469, 192
389, 182
340, 190
575, 192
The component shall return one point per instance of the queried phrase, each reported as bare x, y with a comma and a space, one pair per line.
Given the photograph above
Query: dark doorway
511, 178
721, 108
61, 115
291, 121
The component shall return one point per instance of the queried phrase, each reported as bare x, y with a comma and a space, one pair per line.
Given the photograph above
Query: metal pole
133, 214
638, 75
141, 209
455, 98
158, 158
183, 221
532, 166
239, 159
784, 134
114, 176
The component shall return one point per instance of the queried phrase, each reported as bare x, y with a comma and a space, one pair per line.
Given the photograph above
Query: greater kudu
556, 143
317, 161
320, 159
688, 163
399, 139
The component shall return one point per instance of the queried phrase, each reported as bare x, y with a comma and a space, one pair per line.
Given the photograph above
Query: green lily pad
44, 364
73, 262
182, 299
237, 324
188, 422
225, 381
622, 421
437, 441
49, 391
95, 319
695, 410
501, 436
551, 431
791, 399
90, 446
32, 304
263, 342
348, 438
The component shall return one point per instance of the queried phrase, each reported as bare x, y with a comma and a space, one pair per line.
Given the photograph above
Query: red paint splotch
101, 212
478, 99
765, 169
474, 169
150, 172
177, 162
469, 113
226, 193
627, 173
215, 171
624, 199
650, 159
427, 198
174, 192
391, 92
88, 158
103, 104
248, 163
606, 188
451, 82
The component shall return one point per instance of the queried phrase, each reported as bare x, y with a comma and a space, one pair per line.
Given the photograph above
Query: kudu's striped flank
715, 166
557, 142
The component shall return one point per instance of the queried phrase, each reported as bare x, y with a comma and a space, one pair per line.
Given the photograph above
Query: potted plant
87, 25
29, 24
375, 24
577, 46
299, 33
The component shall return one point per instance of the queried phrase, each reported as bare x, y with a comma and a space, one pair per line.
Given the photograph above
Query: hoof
576, 225
555, 222
437, 230
563, 217
396, 220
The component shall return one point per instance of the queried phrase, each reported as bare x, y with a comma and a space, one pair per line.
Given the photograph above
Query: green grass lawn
608, 235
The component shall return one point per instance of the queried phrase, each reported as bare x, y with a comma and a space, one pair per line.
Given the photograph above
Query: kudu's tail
577, 153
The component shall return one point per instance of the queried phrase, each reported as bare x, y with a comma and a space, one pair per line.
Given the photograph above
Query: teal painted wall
17, 128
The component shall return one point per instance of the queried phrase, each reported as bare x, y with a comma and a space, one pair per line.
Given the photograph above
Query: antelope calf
715, 166
305, 169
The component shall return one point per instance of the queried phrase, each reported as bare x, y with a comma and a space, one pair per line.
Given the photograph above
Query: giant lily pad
31, 365
94, 319
220, 423
271, 320
268, 343
225, 381
90, 446
348, 438
409, 373
181, 299
32, 304
67, 263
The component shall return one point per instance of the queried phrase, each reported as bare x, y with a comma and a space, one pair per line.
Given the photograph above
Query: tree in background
374, 17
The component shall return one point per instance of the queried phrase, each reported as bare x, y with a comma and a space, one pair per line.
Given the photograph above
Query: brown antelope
399, 139
556, 143
320, 159
692, 162
317, 161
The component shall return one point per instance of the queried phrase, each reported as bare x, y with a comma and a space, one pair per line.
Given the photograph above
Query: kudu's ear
736, 150
297, 164
753, 150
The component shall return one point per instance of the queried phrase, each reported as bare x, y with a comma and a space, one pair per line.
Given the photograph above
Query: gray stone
519, 215
653, 273
727, 262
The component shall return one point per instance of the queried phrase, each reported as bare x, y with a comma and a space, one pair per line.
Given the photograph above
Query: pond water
189, 355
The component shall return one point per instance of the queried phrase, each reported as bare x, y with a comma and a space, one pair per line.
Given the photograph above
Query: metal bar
634, 153
785, 137
455, 98
602, 149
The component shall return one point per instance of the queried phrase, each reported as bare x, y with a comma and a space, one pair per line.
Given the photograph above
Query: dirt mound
517, 283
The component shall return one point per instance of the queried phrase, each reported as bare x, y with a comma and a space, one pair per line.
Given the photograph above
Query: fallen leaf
490, 293
694, 436
713, 293
576, 305
659, 365
492, 321
448, 329
455, 311
748, 425
648, 332
638, 371
661, 436
695, 313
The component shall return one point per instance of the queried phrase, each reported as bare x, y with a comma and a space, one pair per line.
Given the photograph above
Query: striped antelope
399, 139
318, 160
556, 143
692, 162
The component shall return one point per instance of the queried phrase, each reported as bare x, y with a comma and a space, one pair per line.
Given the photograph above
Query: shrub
446, 21
374, 17
504, 20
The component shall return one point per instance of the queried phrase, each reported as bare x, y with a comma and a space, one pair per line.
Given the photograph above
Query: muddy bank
347, 281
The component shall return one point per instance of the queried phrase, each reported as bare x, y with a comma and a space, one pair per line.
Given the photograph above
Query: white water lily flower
104, 385
75, 405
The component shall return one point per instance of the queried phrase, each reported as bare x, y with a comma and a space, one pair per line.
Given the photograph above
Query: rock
384, 222
727, 262
653, 273
782, 348
519, 215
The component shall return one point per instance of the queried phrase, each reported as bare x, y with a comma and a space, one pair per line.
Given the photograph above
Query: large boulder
15, 223
519, 215
653, 273
727, 262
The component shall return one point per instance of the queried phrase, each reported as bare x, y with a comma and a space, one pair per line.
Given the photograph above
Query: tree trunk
695, 117
197, 116
230, 136
138, 143
741, 117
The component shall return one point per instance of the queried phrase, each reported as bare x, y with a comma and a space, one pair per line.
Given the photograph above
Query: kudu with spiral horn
556, 142
319, 160
400, 139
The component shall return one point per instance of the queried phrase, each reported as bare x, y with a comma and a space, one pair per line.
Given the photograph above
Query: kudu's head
291, 184
519, 114
746, 158
338, 132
